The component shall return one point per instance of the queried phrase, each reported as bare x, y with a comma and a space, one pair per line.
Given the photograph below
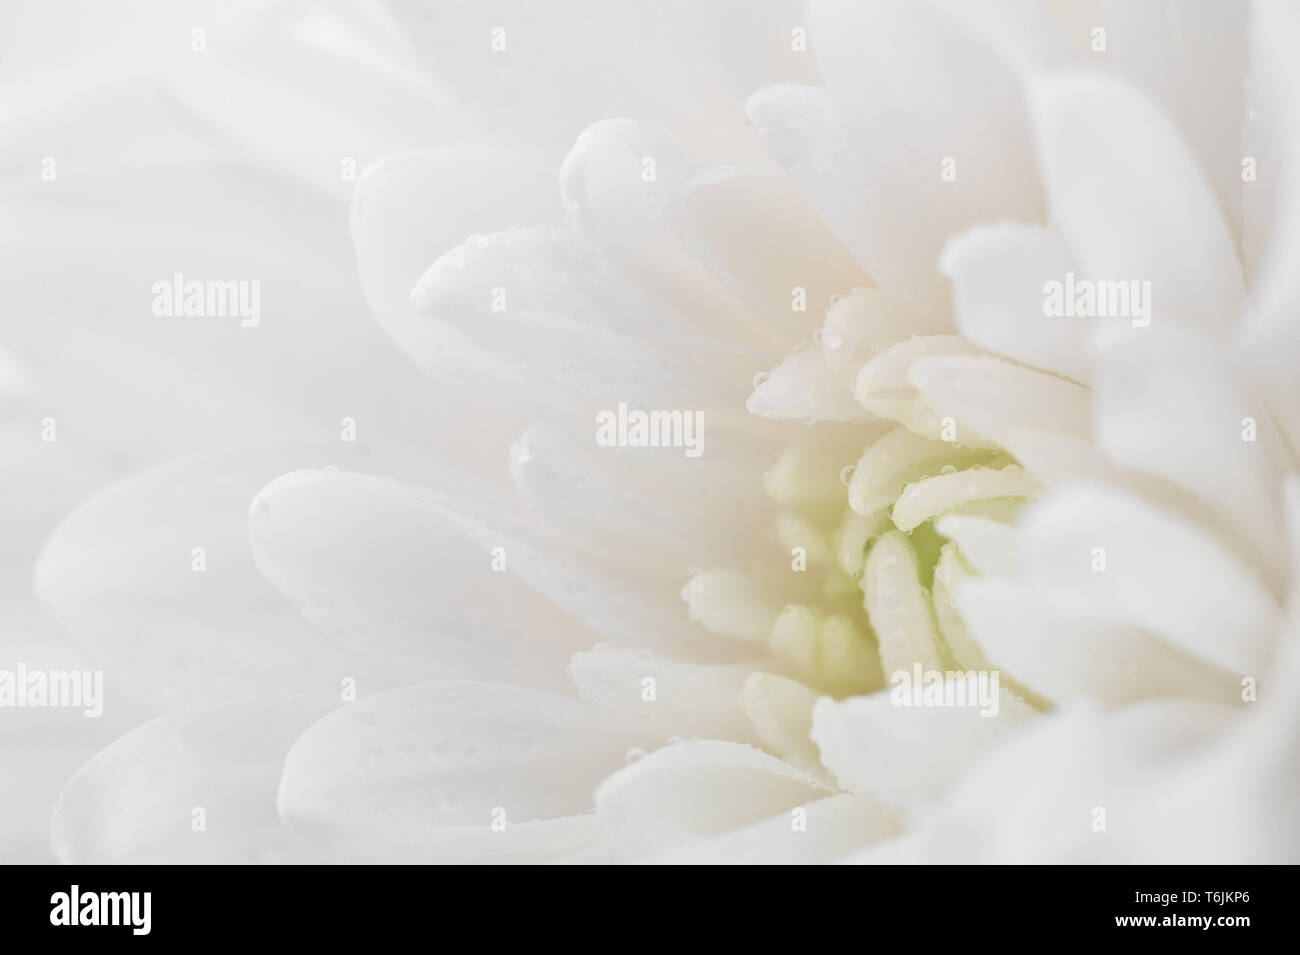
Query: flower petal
989, 545
378, 565
1157, 222
903, 72
1270, 336
1169, 403
525, 72
753, 228
354, 92
154, 581
827, 829
805, 388
622, 184
884, 387
906, 756
730, 605
139, 801
687, 791
1064, 657
451, 772
993, 398
411, 208
1042, 796
999, 277
781, 710
899, 458
899, 607
666, 698
933, 496
1108, 556
1192, 58
539, 301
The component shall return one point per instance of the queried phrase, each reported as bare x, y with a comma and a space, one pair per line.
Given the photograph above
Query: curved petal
1064, 657
195, 787
827, 829
994, 398
377, 564
899, 607
754, 229
1083, 787
1158, 221
805, 388
153, 580
933, 496
906, 755
1270, 336
1170, 403
540, 301
899, 458
407, 211
527, 72
1000, 275
451, 772
781, 710
1109, 556
666, 698
623, 184
907, 72
687, 791
1192, 57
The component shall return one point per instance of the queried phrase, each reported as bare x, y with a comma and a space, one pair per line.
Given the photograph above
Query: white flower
935, 473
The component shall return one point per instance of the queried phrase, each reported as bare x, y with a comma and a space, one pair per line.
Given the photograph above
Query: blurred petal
906, 756
906, 72
781, 711
993, 398
687, 791
451, 772
998, 276
829, 828
1109, 556
1157, 221
153, 580
376, 564
196, 787
666, 698
525, 72
1045, 647
1170, 403
1192, 57
1270, 335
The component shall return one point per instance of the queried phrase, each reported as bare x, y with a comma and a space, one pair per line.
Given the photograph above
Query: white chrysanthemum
921, 468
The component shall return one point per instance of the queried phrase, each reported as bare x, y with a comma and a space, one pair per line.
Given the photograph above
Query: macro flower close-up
722, 432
